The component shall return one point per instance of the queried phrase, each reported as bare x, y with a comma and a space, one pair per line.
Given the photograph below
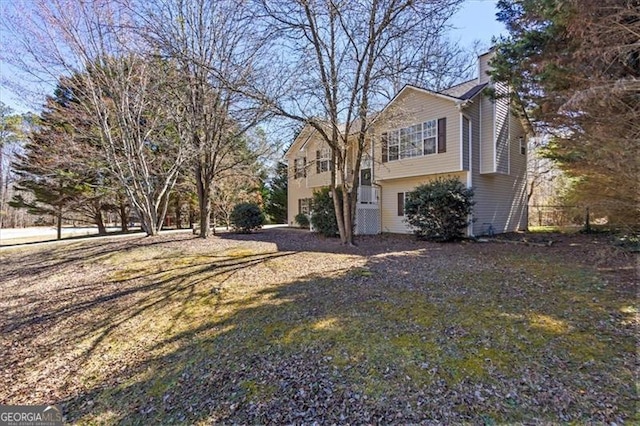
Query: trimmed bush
439, 210
246, 217
323, 215
302, 220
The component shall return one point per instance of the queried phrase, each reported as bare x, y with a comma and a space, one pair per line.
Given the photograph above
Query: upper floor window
430, 136
420, 139
300, 167
323, 160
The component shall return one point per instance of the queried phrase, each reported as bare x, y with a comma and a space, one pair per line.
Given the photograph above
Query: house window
523, 145
300, 167
393, 144
304, 205
401, 196
414, 141
430, 136
323, 160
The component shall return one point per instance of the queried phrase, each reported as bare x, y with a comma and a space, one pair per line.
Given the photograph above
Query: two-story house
463, 132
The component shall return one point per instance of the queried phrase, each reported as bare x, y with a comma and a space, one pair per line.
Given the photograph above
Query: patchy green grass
282, 327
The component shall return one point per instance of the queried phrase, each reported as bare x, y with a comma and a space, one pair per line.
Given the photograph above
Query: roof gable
301, 139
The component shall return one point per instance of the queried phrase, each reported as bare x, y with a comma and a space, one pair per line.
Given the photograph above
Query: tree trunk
204, 203
59, 223
347, 216
124, 220
178, 212
162, 214
149, 225
337, 205
205, 215
102, 230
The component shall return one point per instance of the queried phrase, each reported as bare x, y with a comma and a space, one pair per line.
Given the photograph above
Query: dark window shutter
304, 163
442, 135
400, 203
385, 148
318, 161
299, 205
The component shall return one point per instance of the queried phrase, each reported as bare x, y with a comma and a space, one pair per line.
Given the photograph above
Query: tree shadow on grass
80, 316
42, 261
294, 239
377, 345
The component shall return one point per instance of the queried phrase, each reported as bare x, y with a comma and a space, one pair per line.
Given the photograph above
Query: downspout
374, 183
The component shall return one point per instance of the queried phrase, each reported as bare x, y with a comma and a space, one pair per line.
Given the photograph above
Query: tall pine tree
575, 66
62, 166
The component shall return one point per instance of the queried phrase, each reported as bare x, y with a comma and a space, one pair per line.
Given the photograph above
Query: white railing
368, 195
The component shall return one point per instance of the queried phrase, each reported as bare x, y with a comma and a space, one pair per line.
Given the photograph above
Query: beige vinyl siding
500, 199
391, 222
483, 67
296, 190
314, 179
464, 123
412, 108
304, 147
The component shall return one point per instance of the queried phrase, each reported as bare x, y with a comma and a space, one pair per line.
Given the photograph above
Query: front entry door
365, 177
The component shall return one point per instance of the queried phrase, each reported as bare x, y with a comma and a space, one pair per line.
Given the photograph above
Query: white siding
501, 126
500, 199
487, 148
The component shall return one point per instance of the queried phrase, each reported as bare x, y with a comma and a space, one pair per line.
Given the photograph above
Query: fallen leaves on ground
286, 327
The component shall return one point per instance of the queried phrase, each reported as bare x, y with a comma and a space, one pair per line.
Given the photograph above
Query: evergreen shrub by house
439, 210
246, 217
323, 217
302, 220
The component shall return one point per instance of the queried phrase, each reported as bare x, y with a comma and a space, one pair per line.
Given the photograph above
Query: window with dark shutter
385, 148
400, 203
304, 164
318, 161
442, 135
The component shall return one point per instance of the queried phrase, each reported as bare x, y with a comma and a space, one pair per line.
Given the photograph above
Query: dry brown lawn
285, 327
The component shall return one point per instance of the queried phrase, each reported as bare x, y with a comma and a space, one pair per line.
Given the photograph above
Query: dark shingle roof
473, 91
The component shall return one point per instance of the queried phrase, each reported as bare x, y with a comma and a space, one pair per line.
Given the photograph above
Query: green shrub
323, 214
302, 220
246, 217
439, 210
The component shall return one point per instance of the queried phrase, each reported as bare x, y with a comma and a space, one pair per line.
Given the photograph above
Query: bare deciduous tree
333, 64
91, 44
211, 44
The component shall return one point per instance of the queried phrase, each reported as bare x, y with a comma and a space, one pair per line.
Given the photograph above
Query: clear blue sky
475, 20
